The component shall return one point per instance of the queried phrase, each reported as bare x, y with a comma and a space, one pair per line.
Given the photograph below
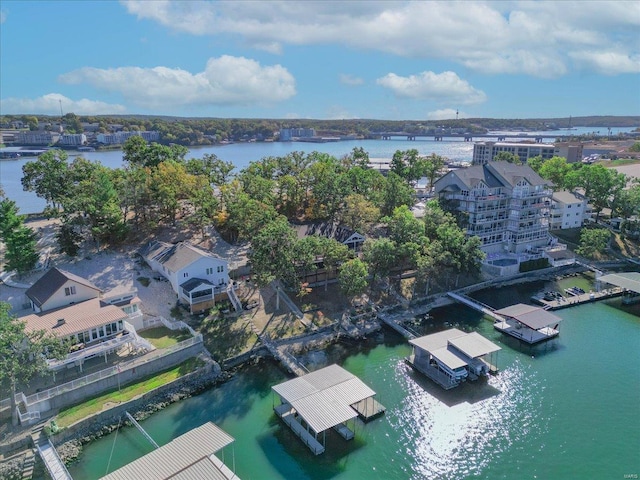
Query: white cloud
446, 114
351, 80
49, 104
225, 81
492, 37
442, 87
607, 63
3, 16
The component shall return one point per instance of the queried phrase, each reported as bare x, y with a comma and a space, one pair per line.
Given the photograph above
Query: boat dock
572, 301
476, 305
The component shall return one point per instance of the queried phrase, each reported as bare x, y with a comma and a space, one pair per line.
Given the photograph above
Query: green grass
95, 405
163, 337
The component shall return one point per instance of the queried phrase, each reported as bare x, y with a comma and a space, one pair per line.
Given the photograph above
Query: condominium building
119, 138
72, 139
507, 205
568, 210
571, 151
484, 152
288, 134
36, 138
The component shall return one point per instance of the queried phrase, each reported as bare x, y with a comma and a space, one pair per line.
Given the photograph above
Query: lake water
565, 409
241, 154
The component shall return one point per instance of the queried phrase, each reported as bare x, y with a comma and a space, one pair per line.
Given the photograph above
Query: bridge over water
468, 137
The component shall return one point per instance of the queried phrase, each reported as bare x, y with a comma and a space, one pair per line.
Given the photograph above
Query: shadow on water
538, 350
327, 465
468, 392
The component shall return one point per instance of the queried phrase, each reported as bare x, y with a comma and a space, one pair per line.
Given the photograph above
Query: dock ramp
480, 307
55, 466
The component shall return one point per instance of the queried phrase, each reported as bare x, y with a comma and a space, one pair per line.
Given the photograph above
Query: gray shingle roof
51, 282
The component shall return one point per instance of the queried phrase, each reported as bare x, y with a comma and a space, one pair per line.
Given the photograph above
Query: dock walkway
579, 299
486, 309
287, 414
51, 460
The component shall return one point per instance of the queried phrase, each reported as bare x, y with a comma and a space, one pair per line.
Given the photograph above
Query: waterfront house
198, 277
568, 210
327, 398
452, 356
58, 288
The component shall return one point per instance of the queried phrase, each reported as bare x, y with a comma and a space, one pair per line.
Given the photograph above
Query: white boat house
329, 398
628, 281
528, 323
453, 356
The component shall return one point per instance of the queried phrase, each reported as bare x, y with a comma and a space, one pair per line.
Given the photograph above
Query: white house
198, 277
58, 288
568, 210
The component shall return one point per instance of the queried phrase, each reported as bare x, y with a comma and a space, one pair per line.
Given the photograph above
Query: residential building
119, 138
484, 152
36, 138
59, 288
198, 277
72, 139
568, 210
507, 205
288, 134
572, 152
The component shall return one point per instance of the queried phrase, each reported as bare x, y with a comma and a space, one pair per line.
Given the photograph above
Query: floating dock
572, 301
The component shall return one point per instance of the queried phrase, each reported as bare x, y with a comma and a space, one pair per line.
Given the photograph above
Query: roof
435, 341
566, 197
628, 280
325, 229
51, 282
449, 358
194, 283
323, 398
175, 257
474, 345
511, 174
177, 458
533, 317
80, 317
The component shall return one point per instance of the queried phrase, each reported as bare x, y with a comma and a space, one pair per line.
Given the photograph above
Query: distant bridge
468, 137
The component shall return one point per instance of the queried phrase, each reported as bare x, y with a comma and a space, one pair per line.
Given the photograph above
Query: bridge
468, 137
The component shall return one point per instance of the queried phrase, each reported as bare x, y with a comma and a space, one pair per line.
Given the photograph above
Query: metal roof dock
324, 399
451, 356
628, 281
189, 456
528, 323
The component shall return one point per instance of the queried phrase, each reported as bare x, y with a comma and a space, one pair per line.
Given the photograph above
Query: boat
574, 291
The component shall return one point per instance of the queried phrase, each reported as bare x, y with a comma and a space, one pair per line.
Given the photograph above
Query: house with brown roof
58, 288
198, 277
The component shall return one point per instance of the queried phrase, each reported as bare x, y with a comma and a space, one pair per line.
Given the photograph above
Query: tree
333, 253
22, 353
204, 205
48, 177
396, 192
593, 241
600, 184
409, 165
353, 277
433, 168
68, 238
217, 171
556, 169
10, 220
381, 256
358, 213
535, 163
507, 157
20, 241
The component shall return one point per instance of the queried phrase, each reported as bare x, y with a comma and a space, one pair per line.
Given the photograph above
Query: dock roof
323, 398
178, 457
433, 342
474, 345
628, 280
449, 358
530, 316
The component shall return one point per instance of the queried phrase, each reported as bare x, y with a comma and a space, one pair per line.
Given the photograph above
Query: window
220, 269
185, 274
209, 271
70, 291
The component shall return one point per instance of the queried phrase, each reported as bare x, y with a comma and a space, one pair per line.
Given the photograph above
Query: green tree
593, 241
635, 147
21, 254
381, 256
433, 168
535, 163
10, 220
23, 353
358, 213
48, 177
556, 170
396, 193
600, 184
353, 278
507, 157
68, 238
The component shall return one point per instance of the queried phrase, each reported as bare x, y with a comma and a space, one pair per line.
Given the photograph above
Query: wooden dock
369, 408
572, 301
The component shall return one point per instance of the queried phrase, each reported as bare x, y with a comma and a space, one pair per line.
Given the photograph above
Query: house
340, 233
198, 277
58, 288
568, 210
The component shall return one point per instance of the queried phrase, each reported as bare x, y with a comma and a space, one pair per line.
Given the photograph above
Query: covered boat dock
451, 356
324, 399
528, 323
190, 456
628, 281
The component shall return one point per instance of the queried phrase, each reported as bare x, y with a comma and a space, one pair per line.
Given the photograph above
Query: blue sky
325, 60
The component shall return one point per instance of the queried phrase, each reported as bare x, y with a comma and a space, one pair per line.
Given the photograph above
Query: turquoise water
565, 409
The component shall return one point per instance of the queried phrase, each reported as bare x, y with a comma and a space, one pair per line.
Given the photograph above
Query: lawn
89, 407
163, 337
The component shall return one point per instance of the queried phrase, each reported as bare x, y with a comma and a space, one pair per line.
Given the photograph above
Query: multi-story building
72, 139
288, 134
119, 138
507, 205
484, 152
36, 138
568, 210
571, 151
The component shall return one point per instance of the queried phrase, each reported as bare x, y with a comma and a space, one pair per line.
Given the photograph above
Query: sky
395, 60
